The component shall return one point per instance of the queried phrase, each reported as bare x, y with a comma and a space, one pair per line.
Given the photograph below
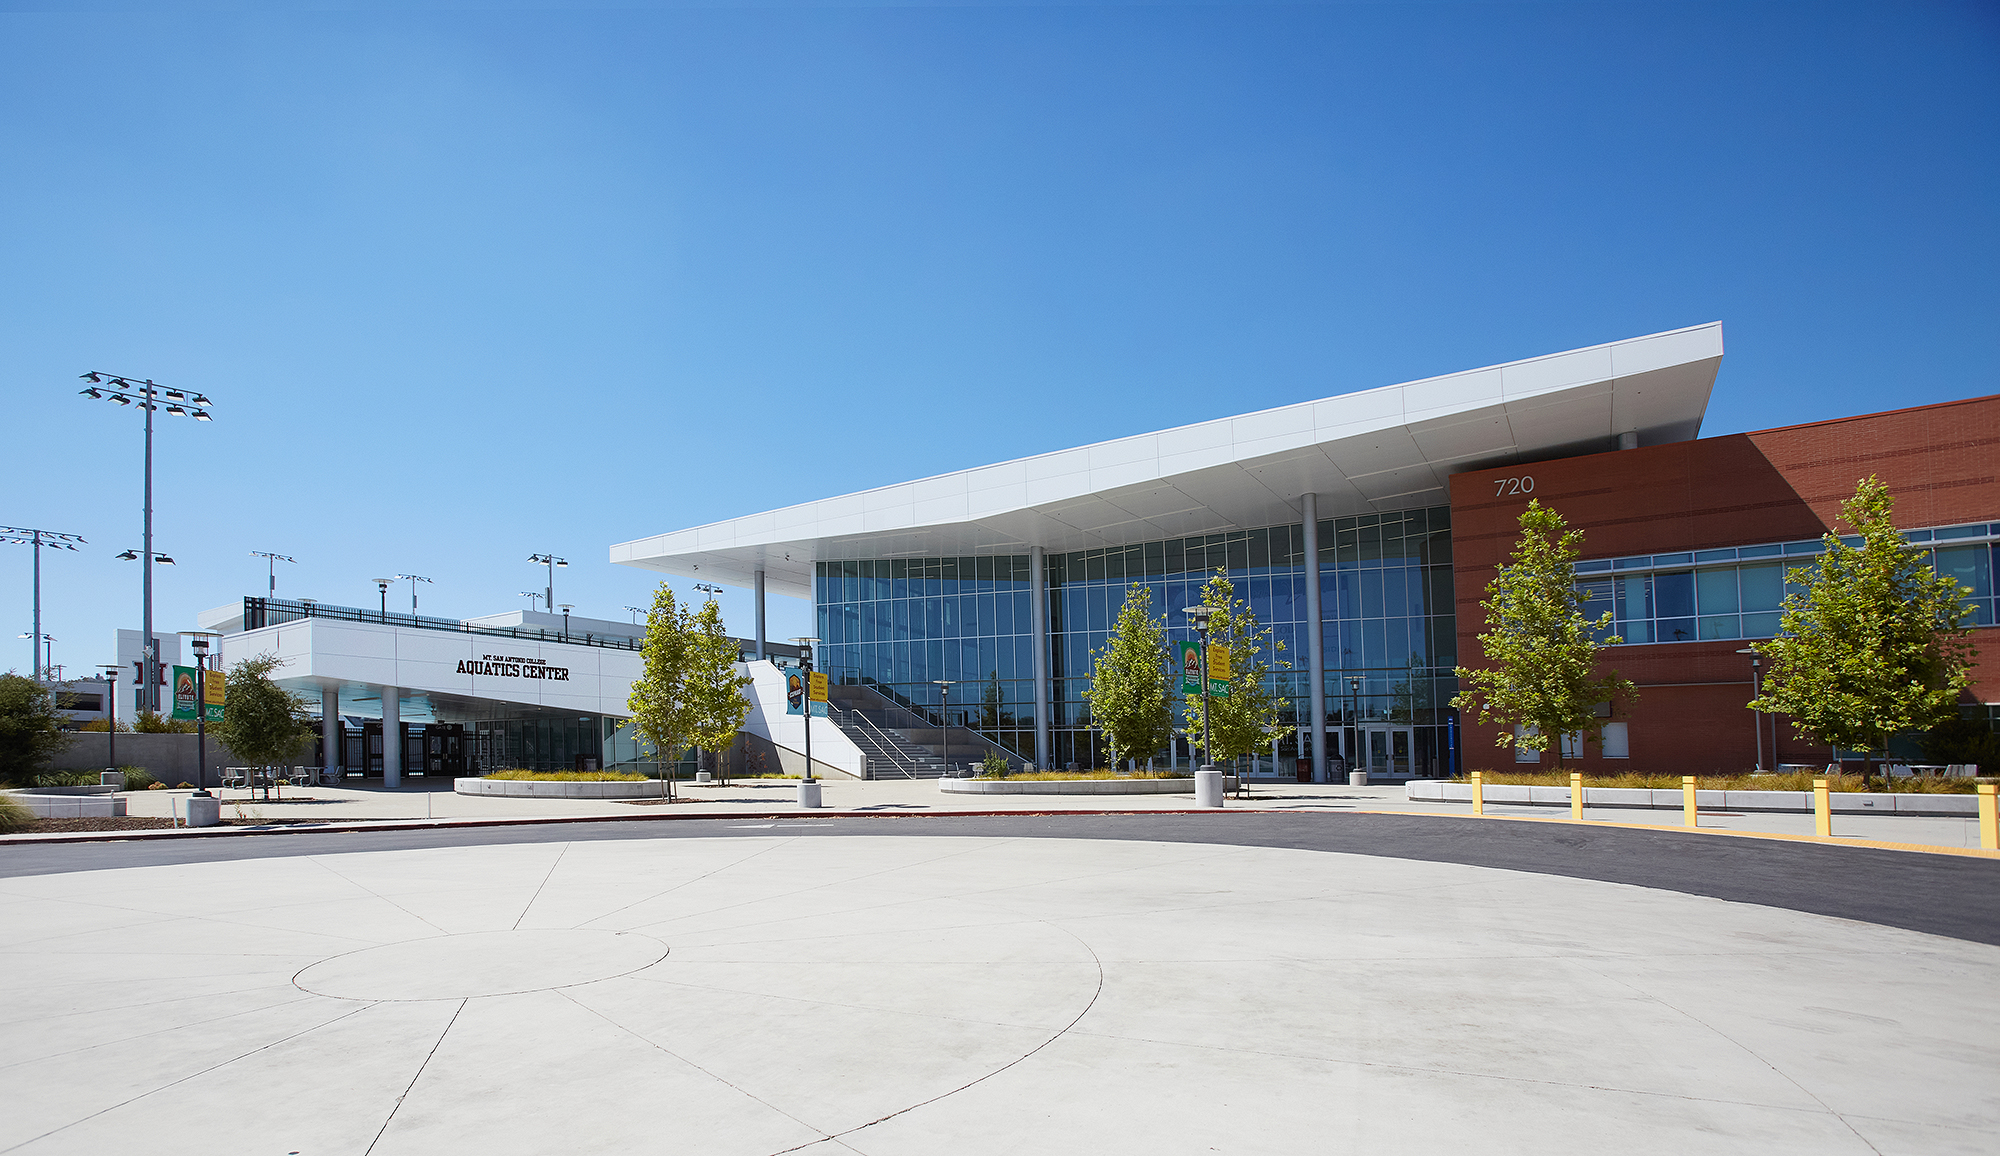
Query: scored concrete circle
482, 963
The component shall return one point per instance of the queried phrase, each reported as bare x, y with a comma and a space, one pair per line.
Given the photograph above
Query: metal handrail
888, 748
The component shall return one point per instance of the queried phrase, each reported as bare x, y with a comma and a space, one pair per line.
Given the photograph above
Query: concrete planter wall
537, 789
1843, 802
1066, 786
168, 758
53, 803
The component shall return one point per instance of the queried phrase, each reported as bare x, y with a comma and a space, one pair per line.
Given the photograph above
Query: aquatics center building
1362, 529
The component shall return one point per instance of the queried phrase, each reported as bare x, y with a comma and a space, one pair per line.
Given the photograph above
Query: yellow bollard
1576, 795
1989, 816
1687, 801
1822, 810
1478, 794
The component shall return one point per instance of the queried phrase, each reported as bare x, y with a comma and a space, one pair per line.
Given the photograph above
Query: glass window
1968, 566
1617, 741
1673, 594
1719, 626
1761, 625
1763, 587
1715, 592
1523, 754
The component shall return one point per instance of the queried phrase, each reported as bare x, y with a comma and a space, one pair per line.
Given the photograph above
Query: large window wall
898, 624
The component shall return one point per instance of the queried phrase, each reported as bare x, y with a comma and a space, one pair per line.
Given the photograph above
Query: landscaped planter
1066, 786
67, 803
560, 789
1841, 802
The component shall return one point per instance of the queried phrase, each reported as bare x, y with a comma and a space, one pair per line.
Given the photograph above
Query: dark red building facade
1687, 542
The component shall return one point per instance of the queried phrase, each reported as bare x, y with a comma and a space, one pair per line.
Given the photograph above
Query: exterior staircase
898, 742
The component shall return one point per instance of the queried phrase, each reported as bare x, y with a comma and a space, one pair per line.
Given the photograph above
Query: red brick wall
1739, 490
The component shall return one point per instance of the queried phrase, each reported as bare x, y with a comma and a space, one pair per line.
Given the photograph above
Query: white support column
1315, 639
1038, 626
758, 585
392, 737
329, 727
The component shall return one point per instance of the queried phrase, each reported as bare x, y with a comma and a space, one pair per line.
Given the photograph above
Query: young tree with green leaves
1541, 657
714, 688
1131, 685
30, 728
262, 723
1242, 722
663, 711
990, 707
1875, 643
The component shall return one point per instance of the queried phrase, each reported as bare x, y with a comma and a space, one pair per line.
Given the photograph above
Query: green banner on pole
1190, 668
184, 704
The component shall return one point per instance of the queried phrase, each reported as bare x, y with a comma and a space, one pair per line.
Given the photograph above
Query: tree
1875, 643
1242, 722
991, 715
1131, 687
663, 712
262, 723
30, 728
714, 690
1540, 651
152, 722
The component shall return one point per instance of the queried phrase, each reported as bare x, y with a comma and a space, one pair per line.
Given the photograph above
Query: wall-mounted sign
513, 666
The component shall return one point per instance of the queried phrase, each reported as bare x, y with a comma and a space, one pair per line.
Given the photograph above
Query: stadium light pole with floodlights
414, 579
21, 536
272, 561
551, 561
124, 391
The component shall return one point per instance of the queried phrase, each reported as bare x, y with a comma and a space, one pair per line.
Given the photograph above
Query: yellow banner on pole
212, 695
816, 686
1218, 662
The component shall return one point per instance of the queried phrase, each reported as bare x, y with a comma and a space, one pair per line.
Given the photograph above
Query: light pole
1757, 716
22, 536
566, 608
120, 391
944, 719
636, 612
382, 588
47, 660
1198, 617
534, 597
200, 644
414, 579
1354, 716
112, 671
148, 697
272, 560
806, 670
551, 561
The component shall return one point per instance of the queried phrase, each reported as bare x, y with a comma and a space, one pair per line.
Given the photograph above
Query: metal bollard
1576, 795
1822, 810
1687, 802
1989, 816
1478, 793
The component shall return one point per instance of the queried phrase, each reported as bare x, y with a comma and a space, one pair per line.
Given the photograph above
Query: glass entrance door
1386, 749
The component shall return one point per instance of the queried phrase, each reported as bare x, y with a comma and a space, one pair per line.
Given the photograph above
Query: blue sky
468, 283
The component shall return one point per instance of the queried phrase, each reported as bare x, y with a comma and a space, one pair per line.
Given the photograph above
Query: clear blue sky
468, 284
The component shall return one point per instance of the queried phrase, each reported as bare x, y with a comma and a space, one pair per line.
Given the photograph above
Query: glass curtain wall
897, 624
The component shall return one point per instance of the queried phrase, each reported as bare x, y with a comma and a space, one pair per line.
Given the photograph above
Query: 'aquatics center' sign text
513, 666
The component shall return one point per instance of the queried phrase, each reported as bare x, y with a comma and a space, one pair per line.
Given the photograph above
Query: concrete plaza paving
423, 799
770, 992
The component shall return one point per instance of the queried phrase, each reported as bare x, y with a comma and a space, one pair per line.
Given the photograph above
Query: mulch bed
149, 823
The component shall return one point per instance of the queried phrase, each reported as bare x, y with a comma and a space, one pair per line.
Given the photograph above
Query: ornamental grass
566, 776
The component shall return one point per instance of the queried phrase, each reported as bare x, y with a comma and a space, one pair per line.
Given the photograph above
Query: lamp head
1199, 616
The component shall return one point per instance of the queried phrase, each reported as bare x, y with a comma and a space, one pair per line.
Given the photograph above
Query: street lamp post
200, 644
551, 561
944, 719
43, 647
566, 608
414, 579
636, 612
1757, 716
382, 588
534, 598
22, 536
1354, 717
112, 671
271, 561
119, 391
806, 670
1198, 617
149, 667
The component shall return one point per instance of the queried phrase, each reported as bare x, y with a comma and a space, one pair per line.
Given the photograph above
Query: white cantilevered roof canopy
1389, 448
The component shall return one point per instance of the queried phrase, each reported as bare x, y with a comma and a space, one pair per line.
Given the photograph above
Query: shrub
66, 779
136, 779
993, 766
